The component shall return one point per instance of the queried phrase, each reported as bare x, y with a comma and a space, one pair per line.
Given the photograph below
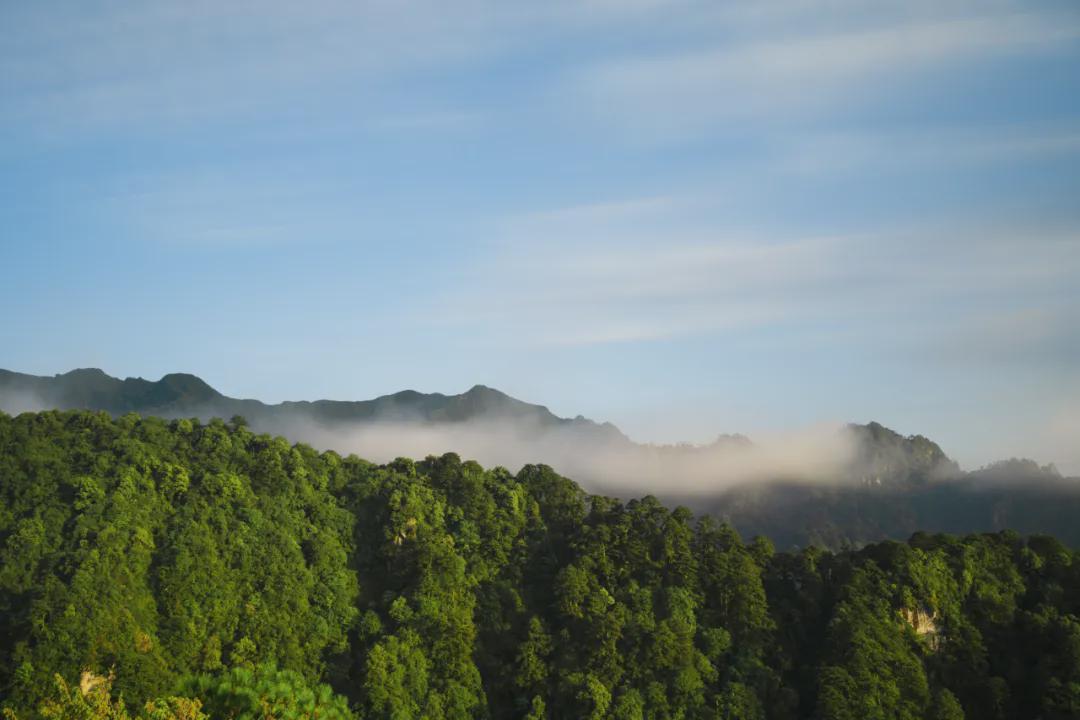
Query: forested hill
172, 569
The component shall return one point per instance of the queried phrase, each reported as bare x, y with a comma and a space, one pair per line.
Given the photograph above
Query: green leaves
265, 692
232, 575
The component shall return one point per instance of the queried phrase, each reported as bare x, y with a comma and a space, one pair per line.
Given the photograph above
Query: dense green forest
172, 569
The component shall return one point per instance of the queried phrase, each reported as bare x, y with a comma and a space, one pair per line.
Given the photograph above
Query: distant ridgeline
903, 485
892, 487
180, 395
173, 570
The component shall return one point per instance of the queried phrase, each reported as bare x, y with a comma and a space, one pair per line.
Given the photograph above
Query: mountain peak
84, 373
884, 456
184, 379
479, 389
188, 386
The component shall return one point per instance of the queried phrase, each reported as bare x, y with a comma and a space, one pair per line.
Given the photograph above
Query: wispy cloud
200, 61
638, 270
784, 79
655, 269
142, 66
137, 66
816, 154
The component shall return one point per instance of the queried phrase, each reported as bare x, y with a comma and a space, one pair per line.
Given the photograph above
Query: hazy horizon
808, 453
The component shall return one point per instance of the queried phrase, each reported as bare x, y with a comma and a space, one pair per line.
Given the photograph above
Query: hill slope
188, 557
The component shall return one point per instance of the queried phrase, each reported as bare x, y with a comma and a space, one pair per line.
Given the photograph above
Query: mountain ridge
180, 394
174, 392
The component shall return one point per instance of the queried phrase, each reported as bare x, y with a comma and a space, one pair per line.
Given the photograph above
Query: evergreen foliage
173, 569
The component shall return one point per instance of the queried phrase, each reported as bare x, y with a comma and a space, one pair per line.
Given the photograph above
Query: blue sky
686, 218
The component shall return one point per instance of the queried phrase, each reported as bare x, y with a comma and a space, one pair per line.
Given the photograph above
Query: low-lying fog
603, 464
599, 458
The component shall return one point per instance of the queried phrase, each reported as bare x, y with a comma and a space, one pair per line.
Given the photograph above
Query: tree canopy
175, 569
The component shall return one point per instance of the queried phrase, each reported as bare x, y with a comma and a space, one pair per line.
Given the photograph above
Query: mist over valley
829, 484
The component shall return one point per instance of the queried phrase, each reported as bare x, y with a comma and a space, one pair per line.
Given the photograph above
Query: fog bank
602, 463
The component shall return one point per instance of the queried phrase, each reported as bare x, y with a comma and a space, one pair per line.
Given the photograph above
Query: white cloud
176, 64
154, 66
783, 78
333, 67
815, 154
135, 64
638, 270
823, 452
662, 268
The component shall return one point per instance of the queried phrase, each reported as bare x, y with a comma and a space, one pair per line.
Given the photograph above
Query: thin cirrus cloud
806, 74
853, 152
637, 271
201, 61
654, 269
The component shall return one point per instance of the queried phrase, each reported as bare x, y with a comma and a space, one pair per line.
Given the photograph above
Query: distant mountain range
834, 487
182, 395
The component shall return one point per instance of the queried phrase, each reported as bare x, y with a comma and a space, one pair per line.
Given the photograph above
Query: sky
686, 218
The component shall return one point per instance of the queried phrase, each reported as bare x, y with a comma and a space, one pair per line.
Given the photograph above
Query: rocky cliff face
924, 624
